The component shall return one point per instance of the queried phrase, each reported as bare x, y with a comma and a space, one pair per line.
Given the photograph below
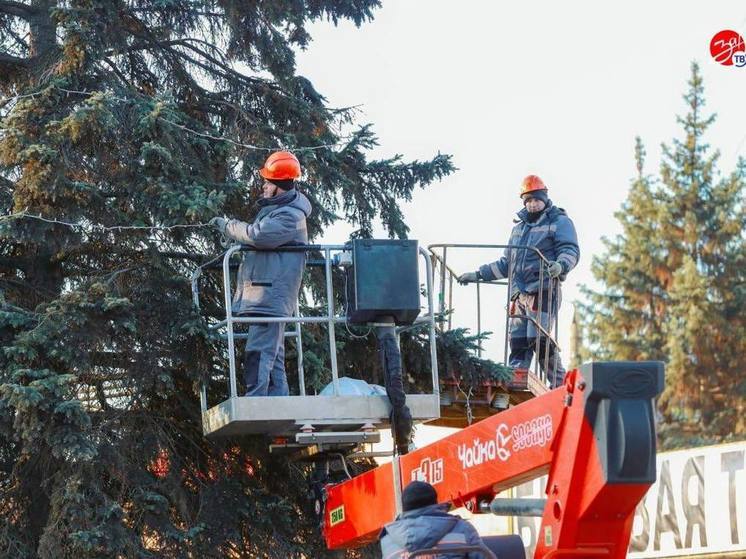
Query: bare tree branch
19, 41
7, 183
13, 62
18, 9
117, 72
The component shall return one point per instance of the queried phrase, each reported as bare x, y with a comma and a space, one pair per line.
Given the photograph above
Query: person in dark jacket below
546, 227
424, 524
268, 282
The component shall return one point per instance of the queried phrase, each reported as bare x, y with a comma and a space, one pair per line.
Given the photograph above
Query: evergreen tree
631, 270
702, 229
151, 114
674, 284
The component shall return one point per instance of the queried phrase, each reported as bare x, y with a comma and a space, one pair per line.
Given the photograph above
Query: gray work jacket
268, 282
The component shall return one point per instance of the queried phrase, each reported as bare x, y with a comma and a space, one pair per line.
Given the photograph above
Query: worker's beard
533, 216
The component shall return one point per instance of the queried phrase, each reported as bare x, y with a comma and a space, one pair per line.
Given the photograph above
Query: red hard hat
281, 166
532, 183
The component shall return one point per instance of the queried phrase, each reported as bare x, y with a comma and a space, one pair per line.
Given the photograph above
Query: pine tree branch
109, 359
18, 9
118, 73
199, 258
149, 45
16, 263
10, 62
19, 41
7, 183
196, 13
227, 71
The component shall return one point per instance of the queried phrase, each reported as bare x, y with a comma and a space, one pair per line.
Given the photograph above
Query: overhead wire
24, 214
183, 127
96, 227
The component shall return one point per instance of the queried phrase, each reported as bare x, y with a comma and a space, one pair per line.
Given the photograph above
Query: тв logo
725, 46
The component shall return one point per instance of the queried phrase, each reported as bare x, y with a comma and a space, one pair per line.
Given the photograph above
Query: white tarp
353, 387
696, 508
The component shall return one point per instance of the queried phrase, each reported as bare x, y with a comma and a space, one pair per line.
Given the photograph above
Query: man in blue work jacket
546, 227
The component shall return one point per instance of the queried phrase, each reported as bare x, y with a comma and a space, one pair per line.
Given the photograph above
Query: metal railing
452, 550
330, 319
447, 276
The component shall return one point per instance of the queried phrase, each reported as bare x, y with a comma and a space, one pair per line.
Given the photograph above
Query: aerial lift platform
304, 419
336, 421
594, 435
459, 407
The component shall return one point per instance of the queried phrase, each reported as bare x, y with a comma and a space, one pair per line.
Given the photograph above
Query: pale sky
559, 89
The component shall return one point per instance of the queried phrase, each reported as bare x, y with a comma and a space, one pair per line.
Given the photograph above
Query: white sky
559, 89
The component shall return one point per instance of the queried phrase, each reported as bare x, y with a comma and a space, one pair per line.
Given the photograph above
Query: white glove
554, 269
219, 223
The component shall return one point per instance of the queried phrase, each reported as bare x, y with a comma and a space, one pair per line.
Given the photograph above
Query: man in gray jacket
546, 227
268, 282
424, 524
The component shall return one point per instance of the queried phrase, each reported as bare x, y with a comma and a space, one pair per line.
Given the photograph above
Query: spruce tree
152, 115
701, 227
673, 283
630, 269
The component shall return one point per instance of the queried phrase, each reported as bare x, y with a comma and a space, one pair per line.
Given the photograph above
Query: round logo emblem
724, 45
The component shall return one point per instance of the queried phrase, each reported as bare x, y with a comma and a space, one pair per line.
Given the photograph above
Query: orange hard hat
532, 183
281, 166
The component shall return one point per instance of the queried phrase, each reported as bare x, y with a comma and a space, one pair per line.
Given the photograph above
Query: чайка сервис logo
727, 47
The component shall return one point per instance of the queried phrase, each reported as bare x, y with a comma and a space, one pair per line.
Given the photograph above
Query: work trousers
524, 335
264, 360
401, 418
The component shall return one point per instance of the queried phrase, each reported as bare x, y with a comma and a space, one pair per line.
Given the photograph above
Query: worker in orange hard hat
532, 183
268, 282
541, 225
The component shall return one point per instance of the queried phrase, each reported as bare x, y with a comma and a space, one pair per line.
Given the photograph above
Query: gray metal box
383, 280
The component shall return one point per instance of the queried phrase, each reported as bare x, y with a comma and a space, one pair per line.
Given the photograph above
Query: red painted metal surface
496, 453
355, 509
584, 516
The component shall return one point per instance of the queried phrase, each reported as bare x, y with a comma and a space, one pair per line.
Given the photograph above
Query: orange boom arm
595, 436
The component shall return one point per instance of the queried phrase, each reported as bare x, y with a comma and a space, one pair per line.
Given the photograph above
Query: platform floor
524, 386
285, 415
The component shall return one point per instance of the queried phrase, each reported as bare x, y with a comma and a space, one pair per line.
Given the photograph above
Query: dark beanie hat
418, 494
288, 184
538, 195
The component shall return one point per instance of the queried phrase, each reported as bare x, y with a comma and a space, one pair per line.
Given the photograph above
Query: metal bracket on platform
338, 437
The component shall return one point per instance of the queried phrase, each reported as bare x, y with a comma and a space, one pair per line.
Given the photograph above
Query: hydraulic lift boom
594, 436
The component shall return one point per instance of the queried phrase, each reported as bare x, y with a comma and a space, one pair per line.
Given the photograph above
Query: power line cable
95, 227
25, 215
232, 141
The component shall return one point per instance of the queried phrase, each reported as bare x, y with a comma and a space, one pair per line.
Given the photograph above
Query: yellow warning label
547, 536
337, 515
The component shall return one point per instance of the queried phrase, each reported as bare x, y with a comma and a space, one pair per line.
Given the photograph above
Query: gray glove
219, 223
554, 269
468, 277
